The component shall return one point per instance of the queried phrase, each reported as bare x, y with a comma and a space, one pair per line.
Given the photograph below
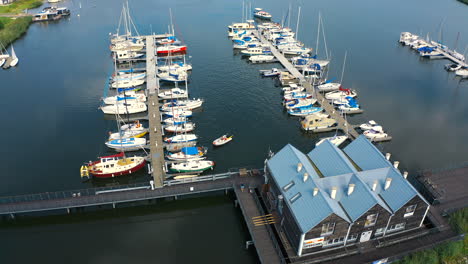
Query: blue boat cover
301, 62
119, 90
240, 42
316, 66
124, 98
129, 70
190, 150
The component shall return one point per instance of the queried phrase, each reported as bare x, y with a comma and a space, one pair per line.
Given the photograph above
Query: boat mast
456, 41
344, 64
289, 14
243, 11
131, 21
324, 39
318, 35
297, 25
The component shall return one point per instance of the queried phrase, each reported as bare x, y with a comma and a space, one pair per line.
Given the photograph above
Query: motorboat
132, 44
342, 101
182, 104
126, 55
126, 144
170, 49
462, 72
335, 140
370, 125
341, 93
175, 120
127, 83
173, 93
135, 129
259, 13
181, 138
112, 166
192, 166
256, 51
293, 88
47, 14
261, 58
299, 103
350, 106
375, 134
124, 108
293, 95
304, 111
240, 26
453, 67
222, 140
328, 87
168, 40
271, 73
188, 153
431, 53
406, 37
181, 128
127, 97
286, 78
178, 113
317, 121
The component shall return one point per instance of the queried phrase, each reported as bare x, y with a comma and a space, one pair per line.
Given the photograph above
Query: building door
365, 236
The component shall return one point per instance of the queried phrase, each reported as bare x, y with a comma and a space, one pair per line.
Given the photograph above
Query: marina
235, 102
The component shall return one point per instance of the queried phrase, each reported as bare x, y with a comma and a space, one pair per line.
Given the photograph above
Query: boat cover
190, 150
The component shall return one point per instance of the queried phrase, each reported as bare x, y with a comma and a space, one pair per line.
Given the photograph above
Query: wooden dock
327, 107
156, 132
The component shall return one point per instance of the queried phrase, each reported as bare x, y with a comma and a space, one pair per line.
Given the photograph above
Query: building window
327, 229
379, 231
370, 220
410, 210
396, 227
288, 186
352, 238
334, 242
295, 197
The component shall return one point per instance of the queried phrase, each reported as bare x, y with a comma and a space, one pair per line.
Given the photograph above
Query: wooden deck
154, 116
327, 107
264, 243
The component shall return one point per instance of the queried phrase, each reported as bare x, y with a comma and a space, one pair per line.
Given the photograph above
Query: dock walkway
327, 107
264, 244
156, 131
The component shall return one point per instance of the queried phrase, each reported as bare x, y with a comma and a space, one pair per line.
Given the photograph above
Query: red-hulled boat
112, 166
171, 49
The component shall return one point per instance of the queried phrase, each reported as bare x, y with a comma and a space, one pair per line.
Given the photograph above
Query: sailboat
129, 130
126, 144
181, 128
192, 166
14, 58
112, 166
335, 140
188, 153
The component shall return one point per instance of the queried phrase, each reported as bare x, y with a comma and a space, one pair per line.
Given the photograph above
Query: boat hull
120, 173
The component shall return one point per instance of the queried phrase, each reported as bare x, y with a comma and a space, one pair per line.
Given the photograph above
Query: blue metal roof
308, 210
330, 160
365, 154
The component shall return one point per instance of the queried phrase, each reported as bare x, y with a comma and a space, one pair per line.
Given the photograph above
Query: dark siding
411, 221
359, 225
290, 228
341, 228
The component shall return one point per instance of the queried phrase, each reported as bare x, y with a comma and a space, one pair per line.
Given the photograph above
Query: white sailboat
124, 108
128, 96
14, 58
335, 140
129, 130
173, 93
127, 83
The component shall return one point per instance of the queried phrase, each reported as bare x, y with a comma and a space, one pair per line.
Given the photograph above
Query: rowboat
222, 140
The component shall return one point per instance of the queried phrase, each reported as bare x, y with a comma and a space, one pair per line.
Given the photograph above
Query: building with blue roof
331, 198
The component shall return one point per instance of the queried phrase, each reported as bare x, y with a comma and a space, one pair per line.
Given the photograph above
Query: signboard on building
314, 242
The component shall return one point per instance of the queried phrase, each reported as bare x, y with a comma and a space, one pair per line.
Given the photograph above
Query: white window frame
352, 238
327, 231
409, 211
379, 231
334, 242
366, 224
396, 227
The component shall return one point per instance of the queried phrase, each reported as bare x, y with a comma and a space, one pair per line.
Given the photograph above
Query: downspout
347, 234
389, 219
425, 214
301, 243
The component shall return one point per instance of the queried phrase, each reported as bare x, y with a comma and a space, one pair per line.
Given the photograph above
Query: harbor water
52, 123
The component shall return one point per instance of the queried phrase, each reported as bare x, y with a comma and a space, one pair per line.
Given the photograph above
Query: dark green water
52, 123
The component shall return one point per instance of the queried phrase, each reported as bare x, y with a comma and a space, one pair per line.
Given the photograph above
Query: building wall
340, 231
413, 221
359, 226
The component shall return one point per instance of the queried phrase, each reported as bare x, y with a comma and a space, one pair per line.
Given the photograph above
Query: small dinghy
181, 138
126, 144
335, 140
192, 166
222, 140
188, 153
182, 128
453, 67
